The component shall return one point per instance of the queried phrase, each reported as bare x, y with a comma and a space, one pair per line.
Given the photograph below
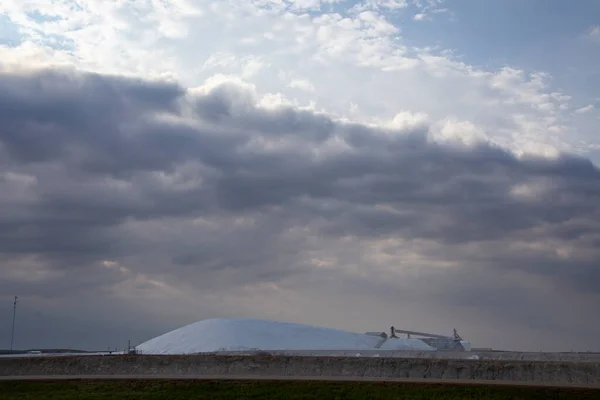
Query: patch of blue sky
9, 32
40, 18
504, 32
534, 35
57, 42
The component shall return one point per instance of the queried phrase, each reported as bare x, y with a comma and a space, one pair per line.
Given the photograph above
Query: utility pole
12, 336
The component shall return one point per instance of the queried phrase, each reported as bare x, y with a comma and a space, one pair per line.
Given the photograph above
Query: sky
426, 164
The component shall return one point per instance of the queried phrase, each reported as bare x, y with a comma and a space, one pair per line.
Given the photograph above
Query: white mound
222, 334
405, 344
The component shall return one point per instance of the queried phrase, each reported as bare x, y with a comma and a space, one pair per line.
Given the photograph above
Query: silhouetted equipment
12, 335
440, 342
431, 335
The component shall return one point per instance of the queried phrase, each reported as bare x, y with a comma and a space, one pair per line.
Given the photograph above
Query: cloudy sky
429, 164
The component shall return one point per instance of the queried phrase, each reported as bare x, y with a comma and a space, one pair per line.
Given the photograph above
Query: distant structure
225, 335
254, 335
131, 350
12, 335
439, 342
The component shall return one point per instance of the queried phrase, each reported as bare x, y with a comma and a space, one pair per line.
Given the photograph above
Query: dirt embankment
197, 365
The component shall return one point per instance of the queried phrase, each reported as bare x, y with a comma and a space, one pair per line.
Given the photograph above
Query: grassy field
215, 390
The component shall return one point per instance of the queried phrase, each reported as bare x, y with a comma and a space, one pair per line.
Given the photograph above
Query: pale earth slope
223, 334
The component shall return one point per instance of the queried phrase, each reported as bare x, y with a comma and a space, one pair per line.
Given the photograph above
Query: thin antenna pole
12, 336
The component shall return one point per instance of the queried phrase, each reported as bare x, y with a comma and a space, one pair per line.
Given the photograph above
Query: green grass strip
283, 390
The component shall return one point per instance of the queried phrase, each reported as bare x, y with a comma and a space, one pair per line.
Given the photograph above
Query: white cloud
354, 58
219, 60
464, 132
252, 66
585, 109
594, 33
428, 7
302, 84
406, 120
381, 4
530, 192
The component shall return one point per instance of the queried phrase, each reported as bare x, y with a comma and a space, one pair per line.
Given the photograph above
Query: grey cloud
123, 168
41, 113
233, 107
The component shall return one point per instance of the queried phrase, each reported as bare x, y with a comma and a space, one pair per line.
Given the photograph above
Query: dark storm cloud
41, 113
92, 164
100, 127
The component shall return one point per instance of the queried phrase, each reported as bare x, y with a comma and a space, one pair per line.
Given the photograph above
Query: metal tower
12, 336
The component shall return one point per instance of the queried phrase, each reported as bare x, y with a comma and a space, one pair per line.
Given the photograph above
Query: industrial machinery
440, 342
